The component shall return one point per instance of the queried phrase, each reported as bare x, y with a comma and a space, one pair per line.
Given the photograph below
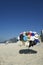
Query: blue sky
20, 15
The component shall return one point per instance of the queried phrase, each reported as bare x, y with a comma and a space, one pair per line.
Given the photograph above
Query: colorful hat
32, 34
25, 38
36, 40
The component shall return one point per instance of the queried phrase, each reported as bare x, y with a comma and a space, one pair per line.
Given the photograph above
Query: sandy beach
13, 54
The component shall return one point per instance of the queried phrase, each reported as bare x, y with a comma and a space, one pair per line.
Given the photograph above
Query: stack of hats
27, 36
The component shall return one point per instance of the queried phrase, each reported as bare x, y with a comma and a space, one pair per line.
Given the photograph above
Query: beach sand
13, 54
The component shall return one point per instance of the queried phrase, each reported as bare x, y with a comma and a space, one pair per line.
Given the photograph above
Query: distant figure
41, 35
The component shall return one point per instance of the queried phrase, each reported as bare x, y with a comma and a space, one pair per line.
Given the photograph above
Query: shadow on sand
27, 51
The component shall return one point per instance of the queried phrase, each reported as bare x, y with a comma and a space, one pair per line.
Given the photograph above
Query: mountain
12, 40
